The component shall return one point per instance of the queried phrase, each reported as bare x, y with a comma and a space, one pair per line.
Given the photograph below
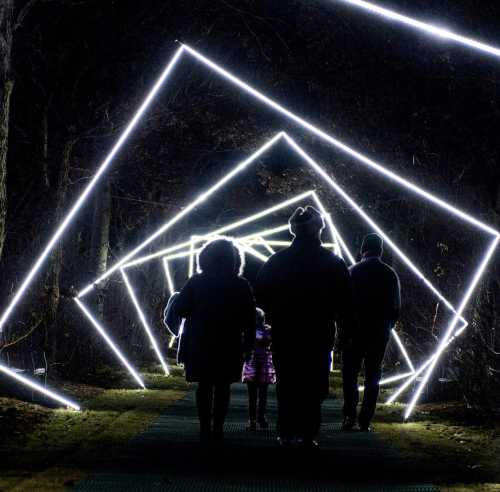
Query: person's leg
262, 406
315, 384
204, 404
373, 373
252, 405
285, 406
351, 365
222, 395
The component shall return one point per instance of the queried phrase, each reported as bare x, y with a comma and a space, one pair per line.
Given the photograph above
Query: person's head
260, 317
306, 222
373, 245
221, 256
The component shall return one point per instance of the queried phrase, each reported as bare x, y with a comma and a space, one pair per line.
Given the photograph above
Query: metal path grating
161, 483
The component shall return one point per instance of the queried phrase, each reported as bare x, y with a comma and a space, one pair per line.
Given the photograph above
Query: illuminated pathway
167, 457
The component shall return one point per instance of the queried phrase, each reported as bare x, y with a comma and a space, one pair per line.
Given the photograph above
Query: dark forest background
74, 71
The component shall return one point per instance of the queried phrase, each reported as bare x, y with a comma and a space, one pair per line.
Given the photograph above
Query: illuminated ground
167, 457
128, 439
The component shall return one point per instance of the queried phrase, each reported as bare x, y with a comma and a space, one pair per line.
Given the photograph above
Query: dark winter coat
377, 299
219, 328
304, 290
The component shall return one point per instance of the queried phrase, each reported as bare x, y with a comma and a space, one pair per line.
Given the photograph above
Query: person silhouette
377, 301
304, 290
219, 330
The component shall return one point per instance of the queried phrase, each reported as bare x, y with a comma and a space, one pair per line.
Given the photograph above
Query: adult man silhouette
377, 303
304, 289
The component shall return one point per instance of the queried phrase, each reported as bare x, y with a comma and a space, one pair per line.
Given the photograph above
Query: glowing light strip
403, 350
201, 198
144, 322
110, 342
37, 387
451, 327
64, 224
424, 26
389, 380
191, 258
336, 143
253, 252
266, 245
333, 230
367, 219
170, 281
222, 230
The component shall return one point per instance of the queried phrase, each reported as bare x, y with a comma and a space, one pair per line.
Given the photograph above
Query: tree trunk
100, 241
56, 259
6, 87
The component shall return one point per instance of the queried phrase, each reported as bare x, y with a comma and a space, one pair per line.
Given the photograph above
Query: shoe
348, 424
252, 426
263, 423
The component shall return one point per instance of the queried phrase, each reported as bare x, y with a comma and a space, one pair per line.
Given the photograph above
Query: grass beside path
44, 449
457, 452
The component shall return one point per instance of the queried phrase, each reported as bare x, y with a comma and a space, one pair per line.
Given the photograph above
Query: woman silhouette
218, 306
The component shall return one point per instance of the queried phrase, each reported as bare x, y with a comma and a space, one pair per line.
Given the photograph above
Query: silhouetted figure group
307, 298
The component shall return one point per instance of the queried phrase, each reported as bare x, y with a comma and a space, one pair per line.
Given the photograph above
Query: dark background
426, 108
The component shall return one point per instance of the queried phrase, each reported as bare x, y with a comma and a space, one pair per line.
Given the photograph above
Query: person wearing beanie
377, 302
305, 290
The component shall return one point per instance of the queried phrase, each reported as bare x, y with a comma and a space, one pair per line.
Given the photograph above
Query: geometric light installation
38, 387
424, 26
308, 127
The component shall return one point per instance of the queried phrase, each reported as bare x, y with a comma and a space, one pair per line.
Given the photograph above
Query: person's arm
345, 319
396, 300
184, 302
263, 288
248, 319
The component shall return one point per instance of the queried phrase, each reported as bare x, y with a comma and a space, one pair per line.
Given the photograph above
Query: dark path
167, 457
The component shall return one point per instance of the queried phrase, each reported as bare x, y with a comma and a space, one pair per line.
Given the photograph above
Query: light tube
170, 281
403, 350
144, 322
335, 142
37, 387
222, 230
110, 342
424, 26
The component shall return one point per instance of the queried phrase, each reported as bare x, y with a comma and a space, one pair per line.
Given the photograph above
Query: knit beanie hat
372, 243
306, 222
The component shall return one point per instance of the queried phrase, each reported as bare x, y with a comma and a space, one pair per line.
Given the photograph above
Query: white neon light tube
266, 245
222, 230
37, 387
201, 198
391, 379
170, 281
444, 341
335, 142
336, 238
424, 26
64, 224
145, 324
110, 342
403, 350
